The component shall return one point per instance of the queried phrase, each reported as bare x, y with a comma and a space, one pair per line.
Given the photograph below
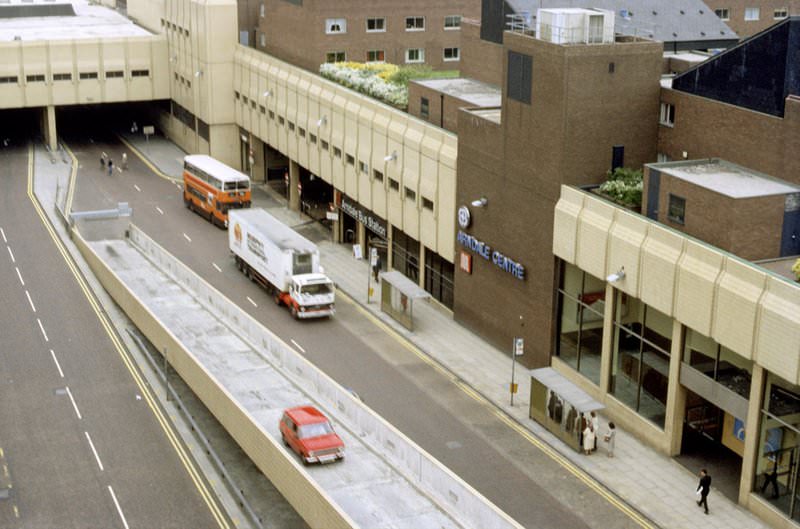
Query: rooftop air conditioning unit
575, 26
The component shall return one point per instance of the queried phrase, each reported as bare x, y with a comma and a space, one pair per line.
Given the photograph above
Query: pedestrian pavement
651, 483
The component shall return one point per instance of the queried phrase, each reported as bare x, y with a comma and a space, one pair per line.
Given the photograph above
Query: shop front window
640, 369
405, 254
581, 302
439, 278
779, 442
718, 362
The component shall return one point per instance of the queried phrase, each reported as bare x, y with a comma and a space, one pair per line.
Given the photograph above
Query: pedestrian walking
588, 438
376, 268
124, 161
103, 160
110, 167
609, 439
703, 488
595, 428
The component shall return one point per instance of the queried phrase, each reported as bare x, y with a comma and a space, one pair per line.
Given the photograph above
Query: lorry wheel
293, 311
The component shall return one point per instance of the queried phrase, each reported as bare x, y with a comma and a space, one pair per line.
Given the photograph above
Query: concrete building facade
748, 17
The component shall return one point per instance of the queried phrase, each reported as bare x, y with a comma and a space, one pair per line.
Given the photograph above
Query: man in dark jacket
703, 488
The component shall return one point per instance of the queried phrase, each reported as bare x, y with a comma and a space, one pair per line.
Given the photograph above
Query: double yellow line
549, 451
173, 438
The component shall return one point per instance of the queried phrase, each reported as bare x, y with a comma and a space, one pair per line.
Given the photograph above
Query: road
465, 434
80, 443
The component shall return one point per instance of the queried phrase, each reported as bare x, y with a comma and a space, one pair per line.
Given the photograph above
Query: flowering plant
796, 269
374, 80
624, 186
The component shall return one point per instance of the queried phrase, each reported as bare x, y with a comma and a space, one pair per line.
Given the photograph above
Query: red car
309, 433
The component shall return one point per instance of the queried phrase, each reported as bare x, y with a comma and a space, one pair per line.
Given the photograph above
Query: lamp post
516, 350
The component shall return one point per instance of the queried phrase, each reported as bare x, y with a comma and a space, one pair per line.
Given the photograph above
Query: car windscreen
314, 430
316, 290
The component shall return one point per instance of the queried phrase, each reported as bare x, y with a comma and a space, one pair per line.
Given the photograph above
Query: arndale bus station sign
484, 250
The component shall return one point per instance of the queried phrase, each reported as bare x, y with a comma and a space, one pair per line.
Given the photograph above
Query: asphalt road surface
462, 432
80, 445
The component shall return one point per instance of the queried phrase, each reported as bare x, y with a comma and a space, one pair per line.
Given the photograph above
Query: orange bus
211, 188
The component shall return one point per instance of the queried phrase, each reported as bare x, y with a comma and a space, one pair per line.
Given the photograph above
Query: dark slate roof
679, 24
757, 74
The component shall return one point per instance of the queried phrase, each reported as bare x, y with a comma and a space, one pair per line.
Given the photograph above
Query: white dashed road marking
91, 445
218, 269
298, 346
187, 237
251, 301
74, 405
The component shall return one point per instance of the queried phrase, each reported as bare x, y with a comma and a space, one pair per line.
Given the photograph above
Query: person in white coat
588, 438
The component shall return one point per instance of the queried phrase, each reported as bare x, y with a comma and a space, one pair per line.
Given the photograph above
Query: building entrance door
714, 440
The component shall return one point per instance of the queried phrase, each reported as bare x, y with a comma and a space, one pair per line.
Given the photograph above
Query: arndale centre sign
484, 250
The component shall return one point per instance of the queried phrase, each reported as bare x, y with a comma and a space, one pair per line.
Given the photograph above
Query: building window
236, 94
262, 39
641, 349
363, 167
405, 254
780, 14
410, 194
312, 138
377, 175
676, 211
667, 115
115, 74
301, 132
337, 152
140, 73
452, 54
661, 157
281, 121
9, 79
427, 203
252, 101
415, 23
291, 126
335, 25
350, 159
777, 453
62, 77
271, 114
752, 13
324, 145
375, 56
262, 10
452, 22
335, 56
581, 302
439, 277
717, 362
519, 77
38, 78
415, 55
394, 184
262, 109
376, 25
424, 107
723, 14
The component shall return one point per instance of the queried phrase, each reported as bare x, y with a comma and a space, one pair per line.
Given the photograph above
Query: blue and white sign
484, 250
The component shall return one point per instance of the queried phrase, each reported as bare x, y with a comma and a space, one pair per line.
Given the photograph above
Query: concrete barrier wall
449, 491
310, 501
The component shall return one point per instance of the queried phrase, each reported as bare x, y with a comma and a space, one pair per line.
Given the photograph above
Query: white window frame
382, 52
335, 26
415, 19
780, 13
454, 58
383, 25
262, 10
749, 13
455, 27
419, 59
262, 39
723, 13
665, 117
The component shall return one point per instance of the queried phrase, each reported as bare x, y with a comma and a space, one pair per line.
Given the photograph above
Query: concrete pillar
49, 127
676, 393
361, 238
390, 235
294, 182
751, 434
258, 171
421, 264
607, 347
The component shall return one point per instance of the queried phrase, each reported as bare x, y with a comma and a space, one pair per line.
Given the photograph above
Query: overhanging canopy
403, 284
568, 391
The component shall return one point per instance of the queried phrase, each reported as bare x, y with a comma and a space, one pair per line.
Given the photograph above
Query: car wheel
284, 440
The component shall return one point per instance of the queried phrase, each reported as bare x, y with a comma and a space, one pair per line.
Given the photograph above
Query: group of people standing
591, 431
106, 162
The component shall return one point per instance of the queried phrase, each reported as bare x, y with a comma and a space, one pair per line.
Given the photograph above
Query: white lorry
282, 261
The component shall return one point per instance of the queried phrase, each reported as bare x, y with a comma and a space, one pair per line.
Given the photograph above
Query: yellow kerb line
147, 162
143, 387
546, 449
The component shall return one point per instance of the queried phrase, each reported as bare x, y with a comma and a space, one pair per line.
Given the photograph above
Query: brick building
313, 32
748, 17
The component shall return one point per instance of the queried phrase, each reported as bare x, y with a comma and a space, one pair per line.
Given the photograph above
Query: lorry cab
313, 296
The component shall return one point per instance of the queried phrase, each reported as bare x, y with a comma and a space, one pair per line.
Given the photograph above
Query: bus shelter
560, 406
397, 297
